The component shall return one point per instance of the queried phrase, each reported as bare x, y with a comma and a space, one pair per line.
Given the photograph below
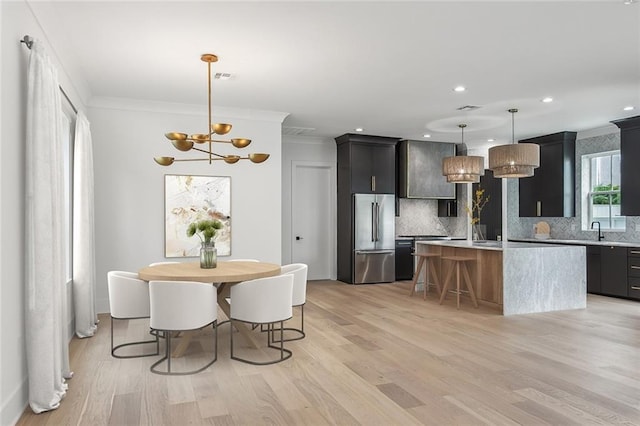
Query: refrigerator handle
373, 221
377, 222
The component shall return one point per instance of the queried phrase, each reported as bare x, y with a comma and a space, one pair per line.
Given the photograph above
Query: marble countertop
488, 245
577, 242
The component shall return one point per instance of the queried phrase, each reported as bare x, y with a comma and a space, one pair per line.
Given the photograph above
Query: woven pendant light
463, 168
516, 160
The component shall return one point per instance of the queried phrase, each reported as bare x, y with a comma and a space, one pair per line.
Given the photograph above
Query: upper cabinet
550, 192
366, 164
420, 170
629, 170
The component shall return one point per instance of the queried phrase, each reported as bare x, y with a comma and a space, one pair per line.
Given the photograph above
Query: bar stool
459, 262
426, 260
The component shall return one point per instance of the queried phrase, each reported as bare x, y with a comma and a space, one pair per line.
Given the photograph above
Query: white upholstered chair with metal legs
167, 262
128, 300
299, 272
182, 306
263, 301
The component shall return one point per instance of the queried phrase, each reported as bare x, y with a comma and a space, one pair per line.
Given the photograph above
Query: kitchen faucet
600, 236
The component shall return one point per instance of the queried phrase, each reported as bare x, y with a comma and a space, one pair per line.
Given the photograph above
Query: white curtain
46, 343
84, 271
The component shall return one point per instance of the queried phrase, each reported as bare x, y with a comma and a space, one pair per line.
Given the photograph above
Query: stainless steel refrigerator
374, 238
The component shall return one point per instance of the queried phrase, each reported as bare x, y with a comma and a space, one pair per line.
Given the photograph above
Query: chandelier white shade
516, 160
463, 168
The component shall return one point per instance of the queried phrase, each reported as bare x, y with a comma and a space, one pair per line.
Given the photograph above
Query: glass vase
208, 256
479, 232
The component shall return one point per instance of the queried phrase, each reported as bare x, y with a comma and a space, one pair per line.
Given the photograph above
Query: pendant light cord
513, 132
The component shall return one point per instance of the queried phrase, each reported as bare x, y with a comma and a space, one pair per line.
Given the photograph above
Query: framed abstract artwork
189, 198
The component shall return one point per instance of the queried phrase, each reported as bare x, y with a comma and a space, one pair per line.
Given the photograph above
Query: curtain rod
28, 41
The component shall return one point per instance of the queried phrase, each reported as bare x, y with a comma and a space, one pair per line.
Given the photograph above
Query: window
603, 196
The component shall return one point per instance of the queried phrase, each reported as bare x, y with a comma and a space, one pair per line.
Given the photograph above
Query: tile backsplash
420, 217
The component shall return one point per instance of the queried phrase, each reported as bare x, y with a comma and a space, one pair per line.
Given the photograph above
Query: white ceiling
388, 67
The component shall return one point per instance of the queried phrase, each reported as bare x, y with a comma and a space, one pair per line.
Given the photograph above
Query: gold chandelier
463, 168
185, 142
516, 160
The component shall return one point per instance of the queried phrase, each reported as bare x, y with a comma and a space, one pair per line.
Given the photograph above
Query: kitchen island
519, 278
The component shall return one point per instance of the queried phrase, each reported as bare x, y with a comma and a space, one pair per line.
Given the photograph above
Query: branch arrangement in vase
475, 210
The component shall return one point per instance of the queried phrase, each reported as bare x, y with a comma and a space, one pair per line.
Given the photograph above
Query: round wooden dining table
224, 276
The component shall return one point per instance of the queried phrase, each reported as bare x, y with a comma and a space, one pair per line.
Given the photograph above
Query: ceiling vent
222, 76
297, 131
468, 108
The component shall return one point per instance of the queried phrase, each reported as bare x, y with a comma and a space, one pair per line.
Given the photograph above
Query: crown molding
598, 131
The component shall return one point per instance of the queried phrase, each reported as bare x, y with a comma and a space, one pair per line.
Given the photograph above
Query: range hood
420, 170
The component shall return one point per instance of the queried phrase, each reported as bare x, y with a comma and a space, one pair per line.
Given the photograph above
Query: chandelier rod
209, 124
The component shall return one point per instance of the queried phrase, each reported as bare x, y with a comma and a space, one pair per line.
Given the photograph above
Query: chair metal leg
299, 331
140, 342
284, 353
167, 357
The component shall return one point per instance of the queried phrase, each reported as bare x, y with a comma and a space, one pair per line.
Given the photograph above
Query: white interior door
313, 216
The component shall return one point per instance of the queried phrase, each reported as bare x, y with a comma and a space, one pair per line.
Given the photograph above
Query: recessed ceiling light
459, 89
426, 135
628, 108
359, 129
629, 1
491, 140
547, 99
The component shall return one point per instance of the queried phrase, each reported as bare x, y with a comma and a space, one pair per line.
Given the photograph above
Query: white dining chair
182, 306
299, 272
263, 301
128, 300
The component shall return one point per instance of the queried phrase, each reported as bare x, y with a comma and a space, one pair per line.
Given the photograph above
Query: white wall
16, 20
129, 185
300, 148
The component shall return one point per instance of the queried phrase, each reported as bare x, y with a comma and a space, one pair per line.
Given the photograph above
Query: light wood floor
374, 356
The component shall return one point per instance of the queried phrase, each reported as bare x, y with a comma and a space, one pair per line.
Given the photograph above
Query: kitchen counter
577, 242
486, 245
520, 277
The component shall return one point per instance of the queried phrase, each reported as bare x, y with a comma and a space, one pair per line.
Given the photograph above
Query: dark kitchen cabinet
550, 191
404, 259
629, 170
613, 272
633, 263
367, 164
491, 215
447, 208
593, 269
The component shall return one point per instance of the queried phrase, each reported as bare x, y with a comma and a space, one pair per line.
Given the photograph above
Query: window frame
590, 194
